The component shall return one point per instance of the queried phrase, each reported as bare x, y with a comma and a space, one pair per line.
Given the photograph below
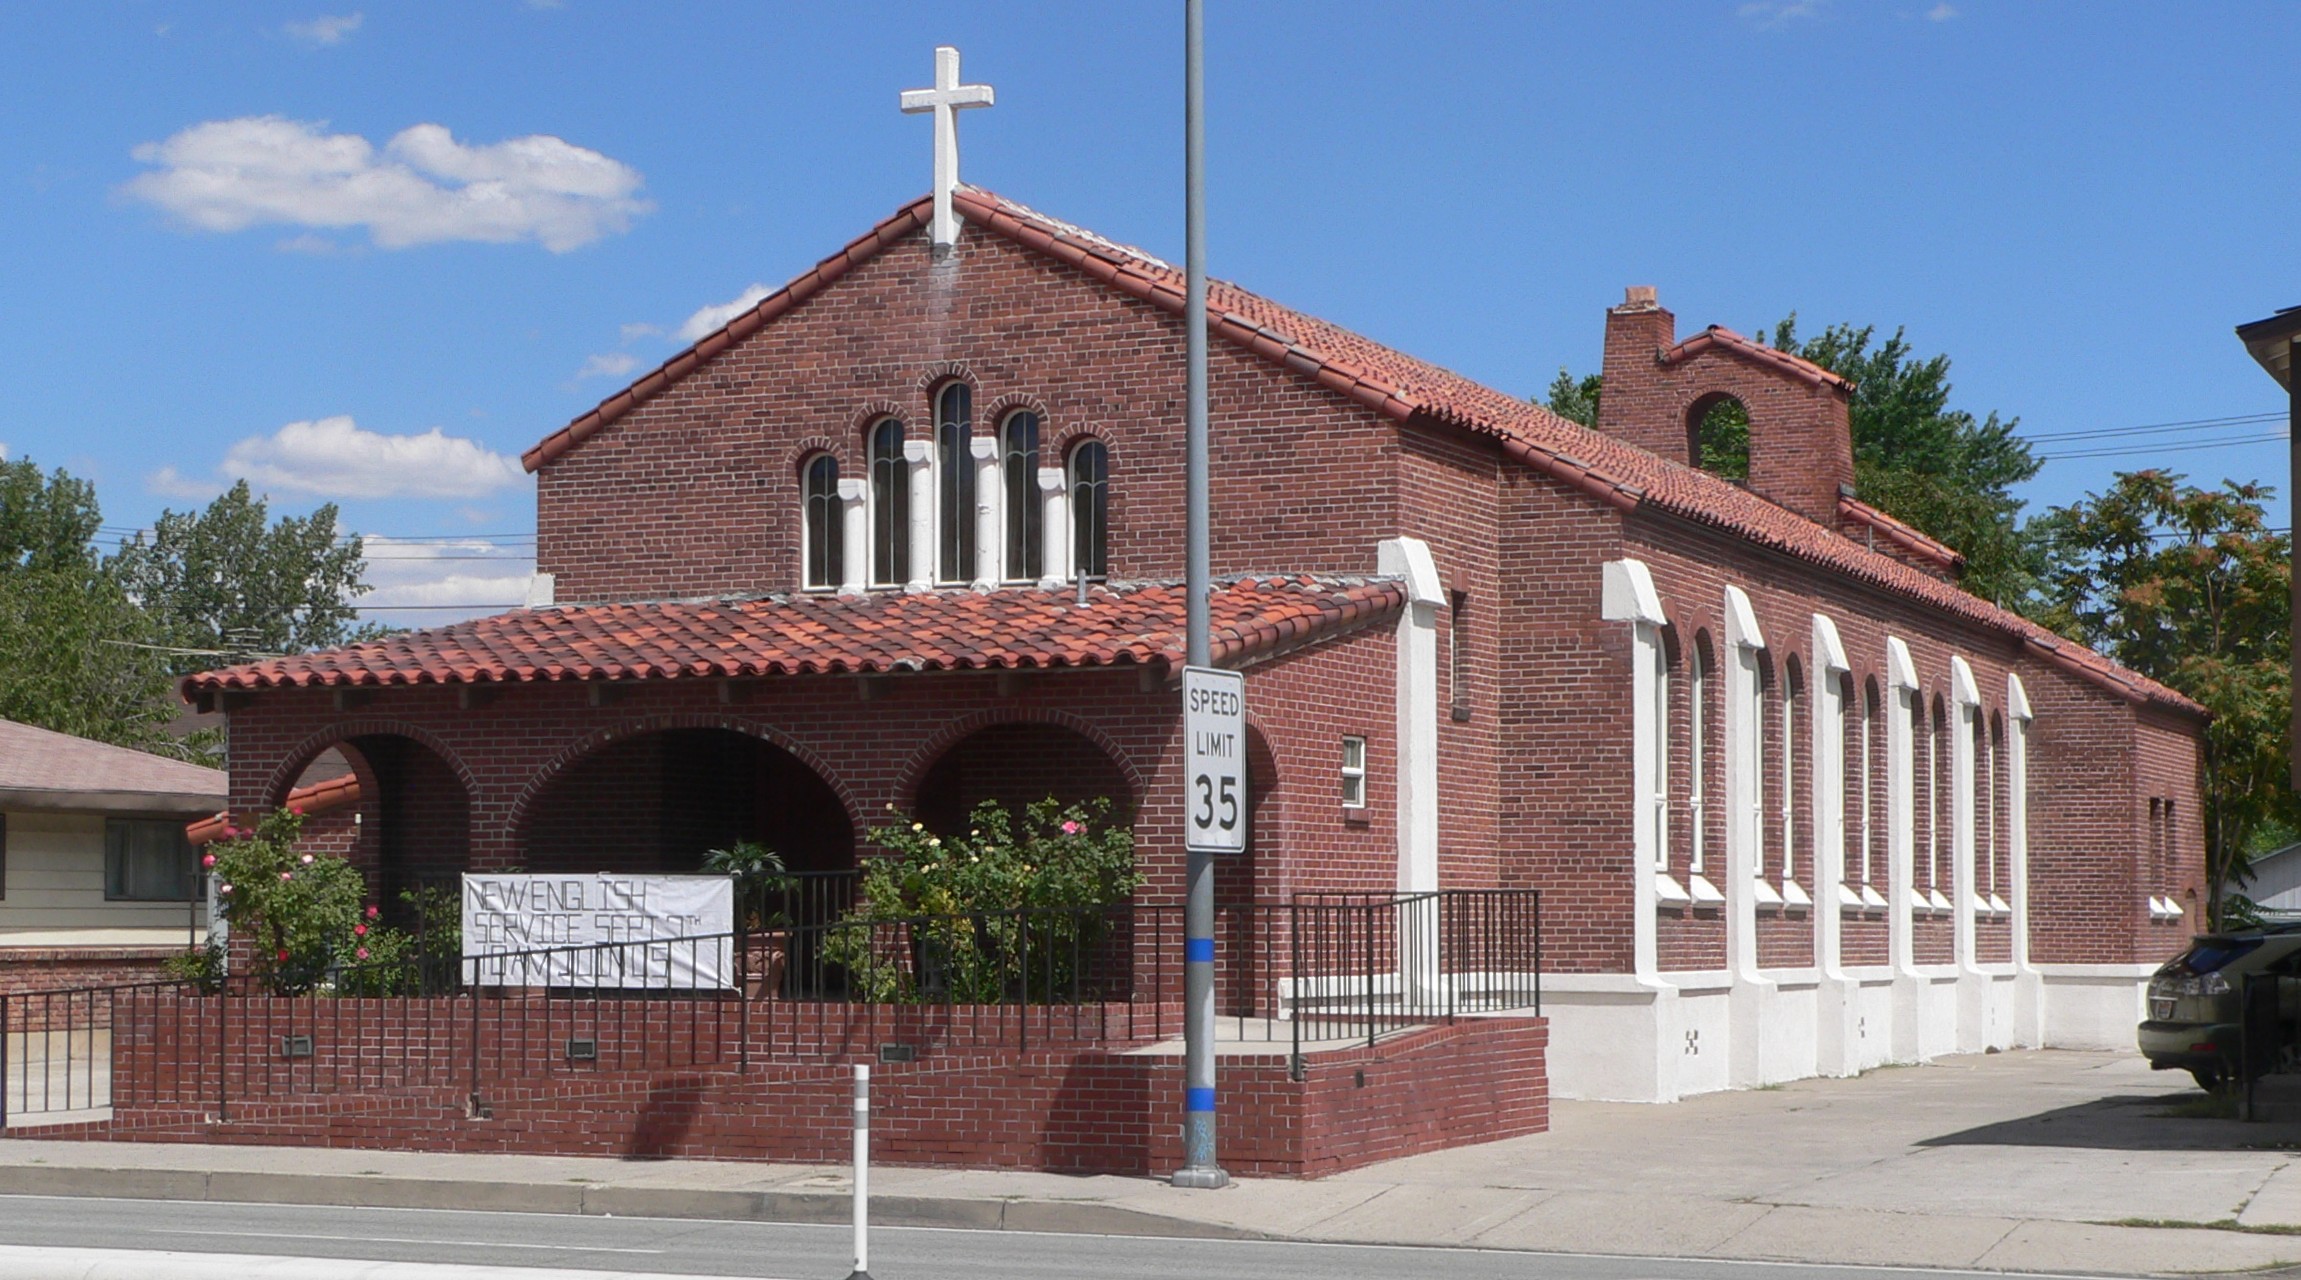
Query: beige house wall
54, 891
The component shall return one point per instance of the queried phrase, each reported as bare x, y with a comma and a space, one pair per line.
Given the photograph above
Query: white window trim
1353, 773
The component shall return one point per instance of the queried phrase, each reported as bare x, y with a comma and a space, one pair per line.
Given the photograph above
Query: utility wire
2134, 451
2095, 433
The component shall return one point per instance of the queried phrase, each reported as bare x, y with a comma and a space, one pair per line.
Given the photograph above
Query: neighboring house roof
43, 769
813, 634
2271, 342
310, 801
1401, 386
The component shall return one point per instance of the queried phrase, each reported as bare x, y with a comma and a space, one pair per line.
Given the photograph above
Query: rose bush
1014, 909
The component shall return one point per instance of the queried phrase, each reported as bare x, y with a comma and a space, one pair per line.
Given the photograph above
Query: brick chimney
1635, 406
1657, 389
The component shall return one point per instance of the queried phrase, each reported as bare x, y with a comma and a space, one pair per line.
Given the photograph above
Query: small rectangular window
1458, 652
149, 860
1354, 773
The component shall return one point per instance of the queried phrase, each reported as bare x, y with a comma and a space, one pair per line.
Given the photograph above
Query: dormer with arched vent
1661, 394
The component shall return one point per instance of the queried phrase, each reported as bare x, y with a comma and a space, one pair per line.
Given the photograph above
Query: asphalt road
789, 1252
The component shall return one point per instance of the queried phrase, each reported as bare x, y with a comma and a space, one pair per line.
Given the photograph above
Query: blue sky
296, 241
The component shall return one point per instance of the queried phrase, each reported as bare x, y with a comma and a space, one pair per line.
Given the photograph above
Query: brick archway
667, 787
939, 744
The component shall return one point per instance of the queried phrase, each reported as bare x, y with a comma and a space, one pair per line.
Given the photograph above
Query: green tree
69, 637
1940, 470
230, 579
2189, 586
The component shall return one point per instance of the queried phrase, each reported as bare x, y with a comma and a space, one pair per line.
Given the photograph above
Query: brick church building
909, 533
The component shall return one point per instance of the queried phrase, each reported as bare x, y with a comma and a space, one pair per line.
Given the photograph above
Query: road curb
1067, 1217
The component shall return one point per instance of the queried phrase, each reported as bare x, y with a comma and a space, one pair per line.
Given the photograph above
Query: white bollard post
862, 1172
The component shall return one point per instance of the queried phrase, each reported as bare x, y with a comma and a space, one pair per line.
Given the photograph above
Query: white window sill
1936, 902
1795, 897
1668, 893
1848, 899
1764, 893
1703, 892
1998, 907
1872, 899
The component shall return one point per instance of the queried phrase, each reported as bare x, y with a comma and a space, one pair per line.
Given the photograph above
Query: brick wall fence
1075, 1089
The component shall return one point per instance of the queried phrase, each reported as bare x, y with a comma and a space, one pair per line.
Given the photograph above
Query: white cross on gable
945, 100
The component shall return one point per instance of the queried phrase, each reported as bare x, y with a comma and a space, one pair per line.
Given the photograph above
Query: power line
2124, 451
2096, 433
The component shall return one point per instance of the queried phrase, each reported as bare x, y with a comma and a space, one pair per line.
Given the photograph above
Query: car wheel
2209, 1079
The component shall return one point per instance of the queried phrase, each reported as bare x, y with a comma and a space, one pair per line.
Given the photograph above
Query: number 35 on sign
1214, 735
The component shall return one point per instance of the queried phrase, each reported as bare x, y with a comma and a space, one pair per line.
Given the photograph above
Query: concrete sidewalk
2034, 1161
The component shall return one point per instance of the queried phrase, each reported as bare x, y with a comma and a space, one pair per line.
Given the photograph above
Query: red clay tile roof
1401, 386
311, 801
1902, 535
817, 634
1721, 338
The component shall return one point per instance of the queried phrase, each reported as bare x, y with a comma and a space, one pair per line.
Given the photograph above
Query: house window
1867, 779
1090, 509
1026, 515
890, 506
1353, 773
1697, 755
1659, 744
955, 482
1790, 691
1458, 652
149, 860
825, 527
3, 855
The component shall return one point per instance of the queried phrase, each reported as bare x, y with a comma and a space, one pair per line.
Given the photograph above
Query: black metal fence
1322, 971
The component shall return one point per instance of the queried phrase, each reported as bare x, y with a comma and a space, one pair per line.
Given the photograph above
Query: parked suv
2196, 1003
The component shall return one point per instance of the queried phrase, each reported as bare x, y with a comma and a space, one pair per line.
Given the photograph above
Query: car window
2208, 955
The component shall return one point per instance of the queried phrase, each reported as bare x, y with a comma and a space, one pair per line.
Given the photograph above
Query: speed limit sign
1214, 733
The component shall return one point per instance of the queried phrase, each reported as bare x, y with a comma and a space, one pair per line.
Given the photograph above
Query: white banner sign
601, 930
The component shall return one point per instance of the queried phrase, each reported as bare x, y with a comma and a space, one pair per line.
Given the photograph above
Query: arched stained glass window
1026, 515
825, 524
890, 506
955, 482
1090, 509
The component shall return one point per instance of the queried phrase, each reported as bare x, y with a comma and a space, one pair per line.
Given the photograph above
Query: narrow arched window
1793, 685
955, 482
1697, 754
890, 506
1090, 509
1869, 783
825, 526
1026, 516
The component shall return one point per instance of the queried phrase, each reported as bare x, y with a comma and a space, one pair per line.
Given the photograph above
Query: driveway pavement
2029, 1161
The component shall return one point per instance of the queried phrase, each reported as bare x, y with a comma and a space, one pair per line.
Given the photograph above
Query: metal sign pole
862, 1173
1199, 1167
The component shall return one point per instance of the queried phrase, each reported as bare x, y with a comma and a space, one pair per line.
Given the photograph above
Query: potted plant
760, 887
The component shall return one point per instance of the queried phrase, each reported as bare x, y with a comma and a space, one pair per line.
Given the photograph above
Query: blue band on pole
1198, 1099
1198, 949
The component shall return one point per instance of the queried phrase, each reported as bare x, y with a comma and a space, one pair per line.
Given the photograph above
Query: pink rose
359, 931
287, 875
1071, 828
362, 953
373, 911
307, 859
283, 957
208, 860
224, 889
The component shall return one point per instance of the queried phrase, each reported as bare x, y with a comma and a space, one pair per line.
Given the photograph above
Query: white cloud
324, 30
614, 364
1941, 12
634, 332
422, 187
428, 583
1774, 13
712, 317
334, 458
